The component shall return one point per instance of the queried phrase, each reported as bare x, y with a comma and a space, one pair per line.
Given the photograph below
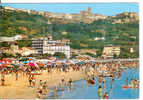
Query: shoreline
20, 89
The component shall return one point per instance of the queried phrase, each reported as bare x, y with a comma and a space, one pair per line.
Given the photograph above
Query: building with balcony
47, 45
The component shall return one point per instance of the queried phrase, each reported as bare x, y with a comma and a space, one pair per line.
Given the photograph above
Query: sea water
81, 90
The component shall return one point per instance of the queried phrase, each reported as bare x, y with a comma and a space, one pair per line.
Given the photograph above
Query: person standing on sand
30, 80
33, 81
44, 87
16, 75
39, 92
2, 79
41, 83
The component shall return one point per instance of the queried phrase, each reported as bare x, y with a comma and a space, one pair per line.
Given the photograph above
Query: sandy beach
20, 89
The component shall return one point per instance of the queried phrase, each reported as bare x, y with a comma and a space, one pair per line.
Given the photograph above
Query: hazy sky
99, 8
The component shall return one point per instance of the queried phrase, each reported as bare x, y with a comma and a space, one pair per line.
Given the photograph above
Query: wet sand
20, 89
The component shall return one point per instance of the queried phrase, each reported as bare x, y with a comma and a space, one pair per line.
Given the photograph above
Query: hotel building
47, 45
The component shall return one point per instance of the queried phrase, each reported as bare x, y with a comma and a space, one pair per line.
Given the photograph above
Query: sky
109, 9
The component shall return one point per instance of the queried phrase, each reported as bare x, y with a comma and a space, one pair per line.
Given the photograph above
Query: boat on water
128, 87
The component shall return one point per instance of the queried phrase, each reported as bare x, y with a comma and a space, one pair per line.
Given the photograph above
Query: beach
20, 89
31, 82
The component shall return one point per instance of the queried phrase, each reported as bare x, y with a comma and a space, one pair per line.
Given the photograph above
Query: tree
47, 55
98, 52
90, 54
59, 55
6, 55
115, 56
74, 55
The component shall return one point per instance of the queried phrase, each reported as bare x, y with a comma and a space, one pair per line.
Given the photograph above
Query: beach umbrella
3, 65
40, 64
81, 62
31, 64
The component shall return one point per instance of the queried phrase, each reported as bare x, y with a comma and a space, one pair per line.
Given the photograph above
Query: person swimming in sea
104, 80
100, 92
106, 95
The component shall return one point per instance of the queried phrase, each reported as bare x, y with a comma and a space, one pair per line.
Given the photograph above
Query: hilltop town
83, 16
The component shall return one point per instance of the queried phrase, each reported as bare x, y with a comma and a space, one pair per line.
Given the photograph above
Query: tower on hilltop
89, 9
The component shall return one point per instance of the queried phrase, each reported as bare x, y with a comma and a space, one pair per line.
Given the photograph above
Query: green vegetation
24, 43
13, 23
5, 55
125, 53
91, 54
74, 55
59, 55
46, 55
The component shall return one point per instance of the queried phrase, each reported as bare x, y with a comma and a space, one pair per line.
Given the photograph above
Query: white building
9, 8
99, 38
46, 45
17, 37
109, 51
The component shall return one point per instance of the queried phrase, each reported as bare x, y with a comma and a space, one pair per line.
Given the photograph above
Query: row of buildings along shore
46, 45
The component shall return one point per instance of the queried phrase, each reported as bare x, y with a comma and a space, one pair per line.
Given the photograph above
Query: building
99, 38
9, 8
14, 38
132, 50
28, 50
64, 33
109, 51
14, 49
41, 13
46, 45
75, 51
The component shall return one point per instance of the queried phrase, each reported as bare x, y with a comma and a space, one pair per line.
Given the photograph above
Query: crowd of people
91, 70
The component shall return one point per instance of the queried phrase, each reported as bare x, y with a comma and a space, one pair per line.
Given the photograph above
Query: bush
59, 55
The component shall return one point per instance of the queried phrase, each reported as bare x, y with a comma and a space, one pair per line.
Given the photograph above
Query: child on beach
44, 87
39, 92
33, 81
41, 83
16, 75
30, 80
2, 80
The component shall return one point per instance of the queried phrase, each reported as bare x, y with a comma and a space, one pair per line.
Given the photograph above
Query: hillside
122, 29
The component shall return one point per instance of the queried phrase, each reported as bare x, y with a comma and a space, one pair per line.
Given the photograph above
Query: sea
82, 90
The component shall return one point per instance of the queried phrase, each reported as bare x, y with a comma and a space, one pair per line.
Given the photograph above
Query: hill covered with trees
120, 30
